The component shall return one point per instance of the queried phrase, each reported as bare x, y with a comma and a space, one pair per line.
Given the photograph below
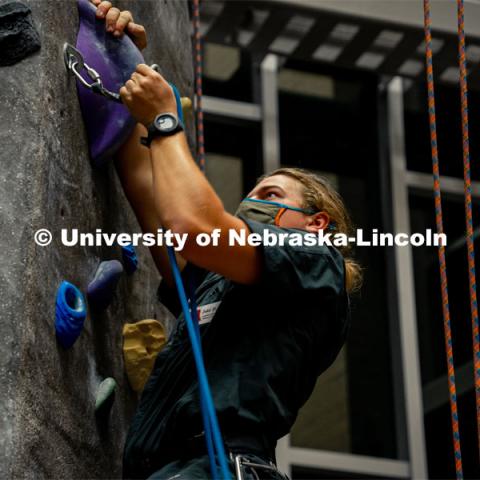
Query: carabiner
74, 63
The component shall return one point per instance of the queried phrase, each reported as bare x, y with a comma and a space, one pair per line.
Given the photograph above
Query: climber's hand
147, 94
117, 22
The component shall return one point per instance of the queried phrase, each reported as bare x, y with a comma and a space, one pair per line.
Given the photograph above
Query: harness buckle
239, 462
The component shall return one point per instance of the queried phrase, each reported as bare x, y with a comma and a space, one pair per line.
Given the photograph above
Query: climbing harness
468, 208
441, 248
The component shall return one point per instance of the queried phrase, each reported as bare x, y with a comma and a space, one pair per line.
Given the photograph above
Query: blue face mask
265, 211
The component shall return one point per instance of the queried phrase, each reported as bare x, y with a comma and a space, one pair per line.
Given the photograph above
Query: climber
272, 319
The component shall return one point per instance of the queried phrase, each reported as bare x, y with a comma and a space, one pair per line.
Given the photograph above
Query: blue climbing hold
101, 289
70, 314
130, 259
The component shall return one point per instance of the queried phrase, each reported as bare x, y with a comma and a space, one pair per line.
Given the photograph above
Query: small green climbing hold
105, 395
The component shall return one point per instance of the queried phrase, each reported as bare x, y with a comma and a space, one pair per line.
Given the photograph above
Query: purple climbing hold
101, 289
108, 123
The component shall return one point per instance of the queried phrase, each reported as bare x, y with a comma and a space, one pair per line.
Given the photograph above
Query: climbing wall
47, 395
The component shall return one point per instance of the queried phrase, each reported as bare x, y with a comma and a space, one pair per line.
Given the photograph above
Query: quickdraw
75, 64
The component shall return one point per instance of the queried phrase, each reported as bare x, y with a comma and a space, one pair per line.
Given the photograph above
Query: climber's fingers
147, 76
125, 95
119, 21
146, 94
136, 78
123, 20
146, 71
143, 69
131, 86
150, 78
102, 8
138, 34
111, 19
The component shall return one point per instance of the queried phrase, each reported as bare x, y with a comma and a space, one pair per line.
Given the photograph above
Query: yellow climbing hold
141, 343
186, 105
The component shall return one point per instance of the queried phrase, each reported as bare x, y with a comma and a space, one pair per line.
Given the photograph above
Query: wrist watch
164, 125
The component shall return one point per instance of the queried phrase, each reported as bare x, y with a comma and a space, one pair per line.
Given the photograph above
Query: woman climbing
272, 319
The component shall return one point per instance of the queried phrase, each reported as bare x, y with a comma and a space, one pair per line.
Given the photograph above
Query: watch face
166, 122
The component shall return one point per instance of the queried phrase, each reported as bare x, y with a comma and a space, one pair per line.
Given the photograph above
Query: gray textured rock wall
47, 422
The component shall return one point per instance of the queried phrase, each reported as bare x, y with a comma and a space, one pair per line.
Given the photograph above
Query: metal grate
337, 39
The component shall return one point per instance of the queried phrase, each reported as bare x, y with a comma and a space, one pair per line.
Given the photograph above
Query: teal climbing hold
70, 314
105, 395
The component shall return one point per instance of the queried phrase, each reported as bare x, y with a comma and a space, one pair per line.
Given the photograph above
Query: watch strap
153, 133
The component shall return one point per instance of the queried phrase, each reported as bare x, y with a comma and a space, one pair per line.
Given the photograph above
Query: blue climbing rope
208, 409
213, 436
203, 406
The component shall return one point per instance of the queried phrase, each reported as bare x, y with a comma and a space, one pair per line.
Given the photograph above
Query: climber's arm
184, 200
135, 172
186, 203
133, 160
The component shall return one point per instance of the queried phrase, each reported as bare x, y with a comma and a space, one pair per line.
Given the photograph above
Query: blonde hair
320, 195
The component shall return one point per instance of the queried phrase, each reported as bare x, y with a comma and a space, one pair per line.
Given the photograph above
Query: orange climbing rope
441, 249
198, 84
468, 206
